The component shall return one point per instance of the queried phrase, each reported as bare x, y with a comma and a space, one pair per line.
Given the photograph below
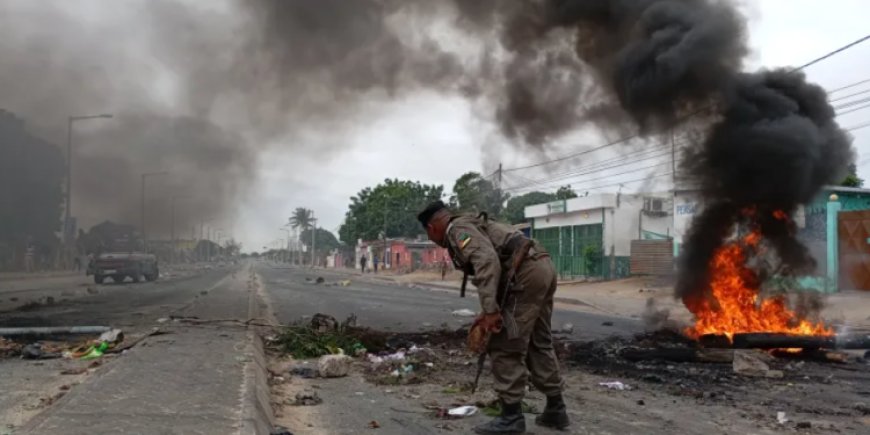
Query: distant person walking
375, 261
362, 263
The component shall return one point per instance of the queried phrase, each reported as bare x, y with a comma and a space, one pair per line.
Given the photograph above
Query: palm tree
302, 218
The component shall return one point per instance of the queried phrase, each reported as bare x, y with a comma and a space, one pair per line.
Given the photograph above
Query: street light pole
68, 212
313, 237
145, 177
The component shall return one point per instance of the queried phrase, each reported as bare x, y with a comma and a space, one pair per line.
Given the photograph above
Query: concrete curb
256, 413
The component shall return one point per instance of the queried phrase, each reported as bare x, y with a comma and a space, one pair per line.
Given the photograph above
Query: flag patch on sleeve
464, 239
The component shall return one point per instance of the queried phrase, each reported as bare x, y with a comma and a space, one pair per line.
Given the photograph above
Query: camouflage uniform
484, 245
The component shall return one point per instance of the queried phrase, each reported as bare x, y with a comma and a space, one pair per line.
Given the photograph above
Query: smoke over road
204, 89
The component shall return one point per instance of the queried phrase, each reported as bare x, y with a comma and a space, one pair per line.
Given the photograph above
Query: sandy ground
660, 399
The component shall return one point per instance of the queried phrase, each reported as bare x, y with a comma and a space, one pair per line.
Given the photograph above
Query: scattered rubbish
319, 280
307, 398
92, 352
781, 418
804, 425
304, 372
774, 374
35, 351
608, 323
750, 363
204, 292
280, 430
112, 336
615, 385
92, 291
344, 283
641, 402
422, 354
323, 323
462, 411
465, 312
8, 348
374, 424
163, 320
403, 370
567, 328
334, 366
75, 371
451, 390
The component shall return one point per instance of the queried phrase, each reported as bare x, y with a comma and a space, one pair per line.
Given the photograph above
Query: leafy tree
324, 241
389, 208
302, 218
31, 178
852, 179
514, 211
566, 192
473, 193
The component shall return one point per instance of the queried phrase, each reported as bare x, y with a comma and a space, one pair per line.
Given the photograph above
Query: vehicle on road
120, 254
121, 265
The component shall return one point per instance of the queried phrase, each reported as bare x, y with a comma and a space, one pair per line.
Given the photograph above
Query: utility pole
67, 221
499, 177
313, 237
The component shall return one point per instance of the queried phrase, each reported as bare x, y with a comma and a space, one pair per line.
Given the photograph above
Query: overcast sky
99, 55
435, 139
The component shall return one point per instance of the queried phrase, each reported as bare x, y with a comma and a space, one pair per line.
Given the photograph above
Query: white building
592, 236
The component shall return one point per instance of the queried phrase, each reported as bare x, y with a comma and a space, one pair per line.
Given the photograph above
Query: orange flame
735, 305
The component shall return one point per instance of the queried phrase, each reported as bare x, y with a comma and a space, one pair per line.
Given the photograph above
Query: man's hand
490, 322
484, 326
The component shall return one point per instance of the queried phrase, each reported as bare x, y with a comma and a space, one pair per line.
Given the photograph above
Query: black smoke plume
771, 140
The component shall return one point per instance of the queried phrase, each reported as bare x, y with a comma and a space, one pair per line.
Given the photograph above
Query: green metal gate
575, 250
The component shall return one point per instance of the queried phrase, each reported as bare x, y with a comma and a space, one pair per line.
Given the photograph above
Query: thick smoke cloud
202, 89
771, 140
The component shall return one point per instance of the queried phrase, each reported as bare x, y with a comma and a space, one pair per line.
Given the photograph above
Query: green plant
304, 342
592, 259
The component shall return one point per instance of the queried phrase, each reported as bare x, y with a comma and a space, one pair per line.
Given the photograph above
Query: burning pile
765, 143
735, 305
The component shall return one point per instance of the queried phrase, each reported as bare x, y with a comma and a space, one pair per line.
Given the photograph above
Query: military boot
555, 414
510, 421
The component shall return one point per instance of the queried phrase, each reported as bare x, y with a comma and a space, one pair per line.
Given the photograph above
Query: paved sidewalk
200, 379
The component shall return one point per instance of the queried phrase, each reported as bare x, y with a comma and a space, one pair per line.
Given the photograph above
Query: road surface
399, 308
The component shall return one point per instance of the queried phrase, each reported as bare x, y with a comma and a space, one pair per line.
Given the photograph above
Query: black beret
430, 211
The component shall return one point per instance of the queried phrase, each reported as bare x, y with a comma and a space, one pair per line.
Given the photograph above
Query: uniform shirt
476, 242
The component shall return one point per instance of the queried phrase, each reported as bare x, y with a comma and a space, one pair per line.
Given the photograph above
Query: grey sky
309, 160
447, 141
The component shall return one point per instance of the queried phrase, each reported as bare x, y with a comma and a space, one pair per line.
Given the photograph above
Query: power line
852, 85
833, 53
852, 110
858, 127
549, 181
831, 100
852, 103
686, 116
603, 177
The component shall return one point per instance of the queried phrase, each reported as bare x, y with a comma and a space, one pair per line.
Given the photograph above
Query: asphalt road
383, 305
78, 301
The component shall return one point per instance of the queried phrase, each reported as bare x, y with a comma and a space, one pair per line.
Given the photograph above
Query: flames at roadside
735, 304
